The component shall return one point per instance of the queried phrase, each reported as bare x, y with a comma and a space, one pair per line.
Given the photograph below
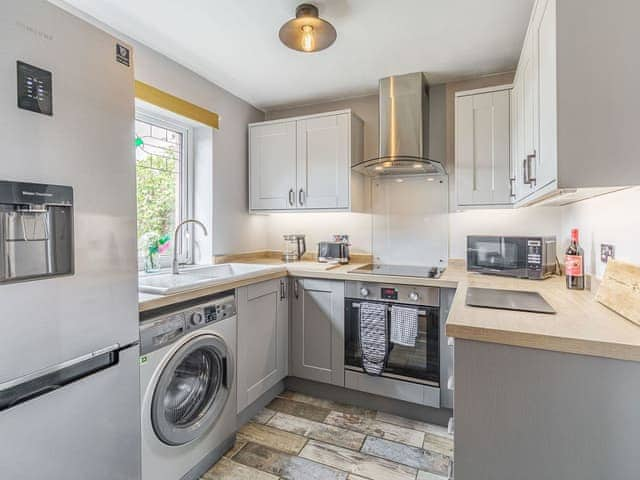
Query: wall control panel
35, 89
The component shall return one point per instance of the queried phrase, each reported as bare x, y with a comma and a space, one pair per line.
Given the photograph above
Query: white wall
519, 222
612, 218
319, 226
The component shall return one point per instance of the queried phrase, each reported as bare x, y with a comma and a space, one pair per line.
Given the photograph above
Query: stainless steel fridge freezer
69, 378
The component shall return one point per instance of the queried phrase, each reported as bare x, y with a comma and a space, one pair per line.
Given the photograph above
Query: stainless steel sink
193, 278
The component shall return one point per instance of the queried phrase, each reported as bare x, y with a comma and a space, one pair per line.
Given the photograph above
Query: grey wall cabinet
573, 123
317, 330
572, 126
263, 344
304, 163
482, 147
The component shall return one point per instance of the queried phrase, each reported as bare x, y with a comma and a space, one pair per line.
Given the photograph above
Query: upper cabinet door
530, 117
547, 158
519, 156
324, 162
482, 154
272, 161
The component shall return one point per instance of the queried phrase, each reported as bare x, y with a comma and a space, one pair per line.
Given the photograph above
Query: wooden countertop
581, 325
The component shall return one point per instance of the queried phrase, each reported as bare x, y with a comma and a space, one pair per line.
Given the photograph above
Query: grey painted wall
437, 122
232, 229
367, 109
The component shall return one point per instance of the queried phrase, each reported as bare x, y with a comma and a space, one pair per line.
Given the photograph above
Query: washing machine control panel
218, 311
168, 326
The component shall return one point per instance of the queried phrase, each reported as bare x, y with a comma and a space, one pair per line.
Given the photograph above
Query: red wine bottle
574, 263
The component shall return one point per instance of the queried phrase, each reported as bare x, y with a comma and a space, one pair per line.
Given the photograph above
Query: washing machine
188, 387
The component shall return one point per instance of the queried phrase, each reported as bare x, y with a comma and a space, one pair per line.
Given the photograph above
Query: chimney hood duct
404, 118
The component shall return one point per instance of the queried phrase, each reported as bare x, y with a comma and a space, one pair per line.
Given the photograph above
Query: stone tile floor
298, 437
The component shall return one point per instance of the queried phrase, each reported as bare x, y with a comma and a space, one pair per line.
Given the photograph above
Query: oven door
498, 255
419, 364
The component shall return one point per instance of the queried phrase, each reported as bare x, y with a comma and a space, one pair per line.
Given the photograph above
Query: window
164, 185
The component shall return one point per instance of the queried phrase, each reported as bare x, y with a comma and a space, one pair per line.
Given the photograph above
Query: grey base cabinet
317, 330
263, 331
528, 414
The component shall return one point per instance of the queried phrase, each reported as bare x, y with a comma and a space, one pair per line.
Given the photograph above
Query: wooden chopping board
620, 289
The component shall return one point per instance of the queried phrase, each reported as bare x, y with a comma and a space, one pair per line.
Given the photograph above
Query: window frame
185, 242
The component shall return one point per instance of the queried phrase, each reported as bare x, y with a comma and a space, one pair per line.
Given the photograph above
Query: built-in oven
523, 257
417, 364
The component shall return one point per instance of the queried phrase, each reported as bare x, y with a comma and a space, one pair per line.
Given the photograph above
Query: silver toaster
333, 252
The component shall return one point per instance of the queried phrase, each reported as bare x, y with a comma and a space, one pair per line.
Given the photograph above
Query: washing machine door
192, 390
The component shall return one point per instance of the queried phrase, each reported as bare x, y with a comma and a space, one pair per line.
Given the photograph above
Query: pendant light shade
307, 32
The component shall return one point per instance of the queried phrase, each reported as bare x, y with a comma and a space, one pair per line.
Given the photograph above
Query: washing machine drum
192, 390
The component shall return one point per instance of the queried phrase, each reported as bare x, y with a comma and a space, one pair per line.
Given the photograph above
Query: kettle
295, 247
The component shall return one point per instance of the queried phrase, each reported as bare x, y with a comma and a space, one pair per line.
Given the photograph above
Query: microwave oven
522, 257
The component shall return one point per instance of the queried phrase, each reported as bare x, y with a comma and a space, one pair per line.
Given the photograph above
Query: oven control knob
414, 297
364, 291
196, 319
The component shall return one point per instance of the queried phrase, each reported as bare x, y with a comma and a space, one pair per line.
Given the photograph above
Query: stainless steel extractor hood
404, 118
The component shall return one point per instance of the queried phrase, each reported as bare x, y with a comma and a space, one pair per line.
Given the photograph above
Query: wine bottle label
573, 265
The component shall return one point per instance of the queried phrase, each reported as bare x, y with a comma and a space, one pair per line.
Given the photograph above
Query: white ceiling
234, 43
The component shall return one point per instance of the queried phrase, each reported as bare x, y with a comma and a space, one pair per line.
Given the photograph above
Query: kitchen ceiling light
307, 32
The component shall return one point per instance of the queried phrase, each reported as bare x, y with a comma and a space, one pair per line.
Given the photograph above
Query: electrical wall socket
607, 251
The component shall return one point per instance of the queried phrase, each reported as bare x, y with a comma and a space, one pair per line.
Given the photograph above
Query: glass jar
152, 262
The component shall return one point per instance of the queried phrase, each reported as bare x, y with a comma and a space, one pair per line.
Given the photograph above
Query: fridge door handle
44, 381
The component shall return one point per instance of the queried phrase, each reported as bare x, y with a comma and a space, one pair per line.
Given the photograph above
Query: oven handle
421, 313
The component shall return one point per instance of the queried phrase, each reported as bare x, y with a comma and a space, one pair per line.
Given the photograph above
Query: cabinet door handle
530, 162
295, 288
292, 197
301, 197
512, 184
525, 168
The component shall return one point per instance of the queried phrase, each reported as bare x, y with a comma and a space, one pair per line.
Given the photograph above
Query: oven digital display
389, 293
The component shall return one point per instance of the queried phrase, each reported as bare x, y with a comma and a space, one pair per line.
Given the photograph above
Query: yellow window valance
177, 105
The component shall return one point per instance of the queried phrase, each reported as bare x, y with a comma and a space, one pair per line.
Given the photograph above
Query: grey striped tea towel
373, 337
404, 325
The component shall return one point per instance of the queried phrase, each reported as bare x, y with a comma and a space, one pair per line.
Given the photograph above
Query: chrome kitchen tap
175, 265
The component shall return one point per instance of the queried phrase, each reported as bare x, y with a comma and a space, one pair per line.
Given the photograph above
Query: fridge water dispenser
36, 231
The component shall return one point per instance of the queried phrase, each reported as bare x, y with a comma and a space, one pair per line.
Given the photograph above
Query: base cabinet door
317, 330
263, 344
